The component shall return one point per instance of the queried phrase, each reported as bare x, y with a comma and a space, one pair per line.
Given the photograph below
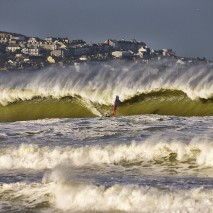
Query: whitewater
59, 153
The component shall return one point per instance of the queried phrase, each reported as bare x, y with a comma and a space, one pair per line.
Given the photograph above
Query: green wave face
40, 109
166, 103
87, 90
162, 103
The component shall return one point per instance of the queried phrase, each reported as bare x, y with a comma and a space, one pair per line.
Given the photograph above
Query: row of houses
62, 47
36, 52
33, 46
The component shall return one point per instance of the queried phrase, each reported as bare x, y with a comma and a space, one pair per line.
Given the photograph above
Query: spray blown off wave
157, 88
35, 157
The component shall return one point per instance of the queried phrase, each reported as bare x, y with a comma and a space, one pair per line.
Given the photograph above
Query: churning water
58, 154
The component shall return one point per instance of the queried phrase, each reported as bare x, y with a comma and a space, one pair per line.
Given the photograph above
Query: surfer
115, 105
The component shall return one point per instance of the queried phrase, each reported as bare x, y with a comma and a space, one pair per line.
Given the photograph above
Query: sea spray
86, 197
29, 156
146, 163
88, 90
77, 196
89, 198
100, 83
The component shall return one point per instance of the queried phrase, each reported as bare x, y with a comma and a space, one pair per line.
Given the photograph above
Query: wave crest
100, 83
154, 88
35, 157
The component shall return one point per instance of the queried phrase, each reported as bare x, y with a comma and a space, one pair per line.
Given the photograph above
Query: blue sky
183, 25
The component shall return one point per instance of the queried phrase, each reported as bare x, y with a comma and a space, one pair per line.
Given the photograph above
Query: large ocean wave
89, 90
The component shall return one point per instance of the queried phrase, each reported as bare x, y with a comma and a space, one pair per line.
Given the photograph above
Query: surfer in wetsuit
115, 105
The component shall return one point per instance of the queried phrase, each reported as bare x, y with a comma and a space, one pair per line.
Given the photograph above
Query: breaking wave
130, 199
89, 90
28, 156
85, 197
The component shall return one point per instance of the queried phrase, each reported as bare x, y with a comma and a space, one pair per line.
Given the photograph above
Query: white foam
84, 197
100, 83
89, 198
19, 196
35, 157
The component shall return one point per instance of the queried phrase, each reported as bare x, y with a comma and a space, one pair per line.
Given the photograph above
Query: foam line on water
81, 197
85, 197
20, 196
36, 157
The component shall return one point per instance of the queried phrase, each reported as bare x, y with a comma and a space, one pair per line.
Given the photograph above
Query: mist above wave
101, 82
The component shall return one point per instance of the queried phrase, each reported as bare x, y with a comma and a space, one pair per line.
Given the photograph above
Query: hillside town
20, 52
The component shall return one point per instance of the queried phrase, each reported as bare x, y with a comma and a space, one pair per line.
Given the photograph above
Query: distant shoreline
20, 52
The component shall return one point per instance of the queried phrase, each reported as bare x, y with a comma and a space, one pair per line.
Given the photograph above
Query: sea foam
85, 197
31, 156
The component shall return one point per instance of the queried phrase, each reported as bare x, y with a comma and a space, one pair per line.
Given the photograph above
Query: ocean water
59, 153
